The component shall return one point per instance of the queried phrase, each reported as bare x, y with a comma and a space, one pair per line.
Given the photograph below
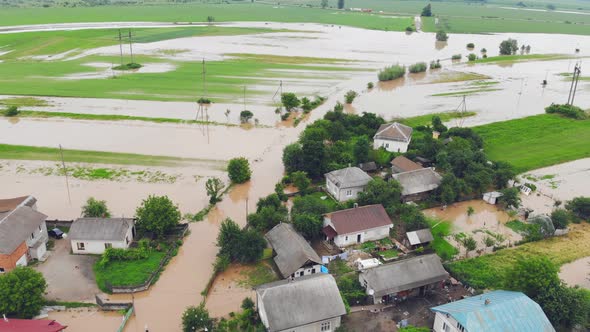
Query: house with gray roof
393, 137
404, 278
23, 233
94, 235
496, 311
417, 184
294, 257
418, 238
345, 184
309, 303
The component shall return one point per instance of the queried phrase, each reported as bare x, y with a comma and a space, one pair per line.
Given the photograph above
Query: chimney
487, 301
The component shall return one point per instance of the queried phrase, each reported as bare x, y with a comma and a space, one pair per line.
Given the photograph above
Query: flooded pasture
576, 273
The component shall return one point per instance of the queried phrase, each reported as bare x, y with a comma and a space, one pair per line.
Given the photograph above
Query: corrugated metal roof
505, 312
420, 236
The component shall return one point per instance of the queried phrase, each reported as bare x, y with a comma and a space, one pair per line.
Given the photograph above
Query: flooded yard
229, 289
576, 273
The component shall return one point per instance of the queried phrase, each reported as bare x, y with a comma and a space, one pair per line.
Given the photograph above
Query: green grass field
454, 16
21, 152
536, 141
440, 245
127, 273
489, 271
424, 120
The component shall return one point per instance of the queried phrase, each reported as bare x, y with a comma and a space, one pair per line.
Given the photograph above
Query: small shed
368, 166
419, 238
367, 263
95, 235
492, 196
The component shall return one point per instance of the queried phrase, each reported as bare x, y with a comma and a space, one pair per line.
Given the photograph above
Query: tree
546, 225
300, 180
383, 192
210, 19
470, 211
361, 149
11, 111
157, 215
472, 57
228, 238
21, 291
251, 246
290, 101
314, 152
508, 47
239, 170
280, 191
340, 4
580, 207
510, 197
441, 36
427, 11
532, 276
244, 246
350, 96
196, 319
307, 215
469, 243
268, 217
309, 225
560, 218
293, 157
245, 116
95, 209
438, 125
324, 3
214, 186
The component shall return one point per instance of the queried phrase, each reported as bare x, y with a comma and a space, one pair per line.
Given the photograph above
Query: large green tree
244, 246
21, 292
157, 215
239, 170
290, 101
580, 207
508, 47
427, 11
196, 319
379, 191
361, 149
95, 209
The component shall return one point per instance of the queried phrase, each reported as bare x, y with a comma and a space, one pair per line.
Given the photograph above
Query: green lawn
517, 226
21, 152
127, 273
261, 273
440, 245
488, 271
387, 254
536, 141
424, 120
524, 57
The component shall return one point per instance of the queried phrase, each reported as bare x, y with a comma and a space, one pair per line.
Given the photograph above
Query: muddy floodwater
228, 291
576, 273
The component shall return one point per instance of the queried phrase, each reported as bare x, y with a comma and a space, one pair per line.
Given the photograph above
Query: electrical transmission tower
462, 110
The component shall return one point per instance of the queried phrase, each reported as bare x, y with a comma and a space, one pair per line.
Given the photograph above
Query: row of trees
198, 319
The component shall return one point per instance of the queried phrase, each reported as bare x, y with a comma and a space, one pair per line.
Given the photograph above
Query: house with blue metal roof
497, 311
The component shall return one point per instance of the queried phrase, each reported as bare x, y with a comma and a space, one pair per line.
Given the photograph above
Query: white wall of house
307, 270
38, 252
98, 247
344, 194
373, 234
390, 145
442, 323
328, 325
22, 261
39, 234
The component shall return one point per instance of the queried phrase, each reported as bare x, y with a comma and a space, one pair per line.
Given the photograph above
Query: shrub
290, 101
245, 116
204, 101
471, 45
239, 170
569, 111
338, 107
95, 209
157, 215
456, 57
409, 29
472, 57
483, 50
11, 111
418, 67
349, 96
441, 36
370, 85
560, 218
435, 64
580, 207
392, 73
508, 47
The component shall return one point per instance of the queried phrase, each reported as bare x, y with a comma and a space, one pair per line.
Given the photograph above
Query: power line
574, 85
63, 163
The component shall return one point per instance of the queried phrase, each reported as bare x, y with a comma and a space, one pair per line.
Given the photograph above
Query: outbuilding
95, 235
421, 237
417, 184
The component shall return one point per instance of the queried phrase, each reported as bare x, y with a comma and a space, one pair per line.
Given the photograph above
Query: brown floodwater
576, 273
228, 291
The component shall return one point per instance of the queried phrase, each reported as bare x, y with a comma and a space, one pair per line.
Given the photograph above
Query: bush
128, 66
560, 218
95, 209
204, 101
370, 85
580, 207
427, 11
409, 29
349, 96
290, 101
470, 45
391, 73
245, 116
338, 107
472, 57
441, 36
456, 57
11, 111
435, 64
239, 170
569, 111
483, 50
418, 67
508, 47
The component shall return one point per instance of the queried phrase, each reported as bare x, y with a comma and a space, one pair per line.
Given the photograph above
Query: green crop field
536, 141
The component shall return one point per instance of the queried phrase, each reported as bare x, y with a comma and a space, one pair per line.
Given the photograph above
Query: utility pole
63, 163
121, 46
130, 46
244, 97
204, 80
574, 86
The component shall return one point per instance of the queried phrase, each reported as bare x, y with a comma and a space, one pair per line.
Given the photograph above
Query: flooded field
564, 181
576, 273
228, 291
485, 221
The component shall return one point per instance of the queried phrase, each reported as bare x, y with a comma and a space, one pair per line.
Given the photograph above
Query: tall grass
391, 73
418, 67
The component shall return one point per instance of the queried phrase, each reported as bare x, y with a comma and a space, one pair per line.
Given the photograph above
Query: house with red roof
357, 225
30, 325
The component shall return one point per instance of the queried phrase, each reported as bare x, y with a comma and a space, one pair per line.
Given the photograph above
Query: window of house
1, 270
346, 238
326, 326
32, 236
460, 327
312, 271
39, 227
446, 328
386, 145
108, 245
349, 193
80, 245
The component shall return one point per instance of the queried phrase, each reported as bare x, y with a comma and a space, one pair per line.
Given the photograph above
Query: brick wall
8, 262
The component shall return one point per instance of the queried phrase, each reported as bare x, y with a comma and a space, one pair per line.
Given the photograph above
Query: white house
357, 225
23, 233
393, 137
294, 256
94, 235
497, 311
307, 304
345, 184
